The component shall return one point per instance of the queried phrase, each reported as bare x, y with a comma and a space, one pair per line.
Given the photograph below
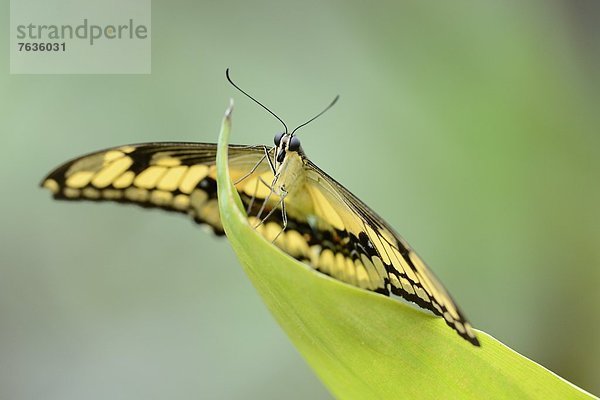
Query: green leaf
363, 345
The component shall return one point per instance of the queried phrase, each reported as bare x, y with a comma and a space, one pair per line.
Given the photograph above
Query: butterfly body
287, 178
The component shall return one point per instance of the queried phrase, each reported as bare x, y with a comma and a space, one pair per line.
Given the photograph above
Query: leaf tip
229, 111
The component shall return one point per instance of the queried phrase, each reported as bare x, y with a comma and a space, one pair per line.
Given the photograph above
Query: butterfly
289, 200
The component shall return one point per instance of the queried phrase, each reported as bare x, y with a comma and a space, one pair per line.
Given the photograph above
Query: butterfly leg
273, 171
267, 156
272, 186
253, 198
283, 217
271, 191
266, 200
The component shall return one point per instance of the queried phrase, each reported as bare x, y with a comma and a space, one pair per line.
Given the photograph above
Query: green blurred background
472, 127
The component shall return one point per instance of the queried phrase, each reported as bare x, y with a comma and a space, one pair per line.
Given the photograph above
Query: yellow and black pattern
173, 176
328, 228
404, 273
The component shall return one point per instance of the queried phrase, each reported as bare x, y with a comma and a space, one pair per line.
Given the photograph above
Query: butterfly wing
370, 254
178, 177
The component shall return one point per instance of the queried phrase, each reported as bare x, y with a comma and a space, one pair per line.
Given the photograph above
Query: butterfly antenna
253, 99
318, 115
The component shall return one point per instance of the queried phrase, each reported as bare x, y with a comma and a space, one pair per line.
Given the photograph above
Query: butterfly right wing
380, 259
178, 177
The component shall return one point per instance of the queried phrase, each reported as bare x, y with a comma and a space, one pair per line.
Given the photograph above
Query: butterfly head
286, 142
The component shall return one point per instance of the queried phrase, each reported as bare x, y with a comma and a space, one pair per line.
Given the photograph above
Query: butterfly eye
294, 144
278, 137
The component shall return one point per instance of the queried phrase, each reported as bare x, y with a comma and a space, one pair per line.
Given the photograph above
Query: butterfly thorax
291, 181
290, 174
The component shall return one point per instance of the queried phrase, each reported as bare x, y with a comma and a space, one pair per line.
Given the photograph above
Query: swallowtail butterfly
289, 200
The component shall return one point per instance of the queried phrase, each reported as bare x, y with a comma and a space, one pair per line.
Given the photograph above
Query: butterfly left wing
178, 177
